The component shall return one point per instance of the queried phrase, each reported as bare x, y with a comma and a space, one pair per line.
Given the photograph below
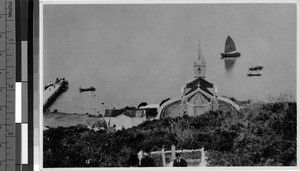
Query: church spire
200, 55
199, 65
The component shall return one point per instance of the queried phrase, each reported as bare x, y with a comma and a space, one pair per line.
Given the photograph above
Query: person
147, 160
179, 162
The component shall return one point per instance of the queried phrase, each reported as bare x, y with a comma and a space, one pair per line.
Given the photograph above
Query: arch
162, 108
237, 107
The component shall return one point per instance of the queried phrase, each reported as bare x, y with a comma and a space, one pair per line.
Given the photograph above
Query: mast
229, 45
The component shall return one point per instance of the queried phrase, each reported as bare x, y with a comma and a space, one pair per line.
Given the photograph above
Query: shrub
262, 134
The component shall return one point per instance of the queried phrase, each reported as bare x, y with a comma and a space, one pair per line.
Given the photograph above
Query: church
197, 96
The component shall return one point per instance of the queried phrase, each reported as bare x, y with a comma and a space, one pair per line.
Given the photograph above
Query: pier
53, 90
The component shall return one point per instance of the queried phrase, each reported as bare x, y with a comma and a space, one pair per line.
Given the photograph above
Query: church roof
204, 85
198, 99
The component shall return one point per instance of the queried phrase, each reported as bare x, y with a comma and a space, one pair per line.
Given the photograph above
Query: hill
260, 134
57, 119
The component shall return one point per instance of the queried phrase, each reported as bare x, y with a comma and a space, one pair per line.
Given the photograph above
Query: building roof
193, 85
113, 112
198, 99
150, 106
100, 124
130, 113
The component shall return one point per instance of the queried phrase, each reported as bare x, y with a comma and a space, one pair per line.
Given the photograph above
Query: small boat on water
251, 74
230, 49
256, 68
87, 89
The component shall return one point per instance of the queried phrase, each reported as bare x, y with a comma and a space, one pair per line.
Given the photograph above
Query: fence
173, 151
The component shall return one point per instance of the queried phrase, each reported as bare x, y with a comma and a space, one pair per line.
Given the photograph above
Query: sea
277, 81
145, 53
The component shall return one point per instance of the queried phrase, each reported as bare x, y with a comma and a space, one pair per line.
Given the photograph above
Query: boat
251, 74
230, 50
87, 89
256, 68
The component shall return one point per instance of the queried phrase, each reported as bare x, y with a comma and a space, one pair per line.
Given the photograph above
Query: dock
53, 91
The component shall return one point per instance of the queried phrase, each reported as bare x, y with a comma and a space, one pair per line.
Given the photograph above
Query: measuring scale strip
7, 85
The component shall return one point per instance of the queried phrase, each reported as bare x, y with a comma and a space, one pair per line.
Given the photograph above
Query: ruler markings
7, 41
6, 98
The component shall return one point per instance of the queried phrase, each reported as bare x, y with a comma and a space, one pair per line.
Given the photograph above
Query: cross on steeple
198, 85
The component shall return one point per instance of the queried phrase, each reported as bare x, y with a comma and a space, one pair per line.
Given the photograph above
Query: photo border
39, 164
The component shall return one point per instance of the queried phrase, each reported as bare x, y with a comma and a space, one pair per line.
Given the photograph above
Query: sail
229, 45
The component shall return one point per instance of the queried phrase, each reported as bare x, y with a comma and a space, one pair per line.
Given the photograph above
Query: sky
134, 53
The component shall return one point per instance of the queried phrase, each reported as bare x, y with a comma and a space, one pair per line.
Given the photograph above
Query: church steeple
200, 55
199, 65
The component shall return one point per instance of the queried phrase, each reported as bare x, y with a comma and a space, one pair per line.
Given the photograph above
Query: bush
263, 134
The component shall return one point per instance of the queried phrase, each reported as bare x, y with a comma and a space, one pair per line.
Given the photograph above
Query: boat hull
86, 89
230, 55
250, 75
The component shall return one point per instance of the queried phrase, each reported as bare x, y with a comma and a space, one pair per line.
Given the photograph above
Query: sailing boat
230, 50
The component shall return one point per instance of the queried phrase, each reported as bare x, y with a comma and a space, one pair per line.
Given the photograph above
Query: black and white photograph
168, 85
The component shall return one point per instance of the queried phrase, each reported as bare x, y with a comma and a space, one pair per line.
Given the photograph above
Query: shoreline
64, 119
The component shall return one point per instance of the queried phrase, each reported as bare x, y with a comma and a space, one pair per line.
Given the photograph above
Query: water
145, 53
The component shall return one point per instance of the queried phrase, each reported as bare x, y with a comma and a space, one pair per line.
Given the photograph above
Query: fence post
203, 160
173, 152
140, 156
163, 156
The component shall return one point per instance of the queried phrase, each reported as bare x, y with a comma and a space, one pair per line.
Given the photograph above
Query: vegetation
262, 134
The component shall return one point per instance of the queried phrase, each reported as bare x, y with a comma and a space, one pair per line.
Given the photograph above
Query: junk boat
53, 91
87, 89
256, 68
230, 50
